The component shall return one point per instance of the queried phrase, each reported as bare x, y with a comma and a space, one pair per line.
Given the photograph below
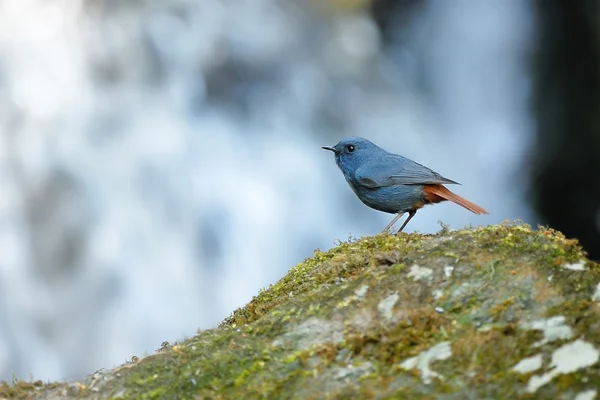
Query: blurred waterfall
160, 161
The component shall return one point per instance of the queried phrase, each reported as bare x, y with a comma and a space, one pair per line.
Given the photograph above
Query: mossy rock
497, 312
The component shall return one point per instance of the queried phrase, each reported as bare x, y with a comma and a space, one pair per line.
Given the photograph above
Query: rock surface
496, 312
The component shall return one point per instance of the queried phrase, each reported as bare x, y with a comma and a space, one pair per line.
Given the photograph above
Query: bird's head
351, 153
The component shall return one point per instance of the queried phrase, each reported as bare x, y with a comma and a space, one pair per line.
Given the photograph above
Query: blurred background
160, 160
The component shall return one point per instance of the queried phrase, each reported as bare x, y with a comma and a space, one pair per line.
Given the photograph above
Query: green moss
495, 253
22, 389
357, 338
390, 344
347, 261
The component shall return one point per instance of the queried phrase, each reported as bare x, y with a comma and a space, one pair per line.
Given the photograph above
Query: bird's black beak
329, 148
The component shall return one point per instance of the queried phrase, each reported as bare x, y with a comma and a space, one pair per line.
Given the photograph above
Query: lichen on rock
503, 311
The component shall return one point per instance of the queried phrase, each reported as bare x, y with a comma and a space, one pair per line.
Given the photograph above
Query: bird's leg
387, 228
411, 214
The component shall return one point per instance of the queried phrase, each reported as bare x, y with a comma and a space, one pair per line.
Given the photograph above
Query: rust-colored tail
437, 193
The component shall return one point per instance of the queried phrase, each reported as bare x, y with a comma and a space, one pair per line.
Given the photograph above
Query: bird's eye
350, 148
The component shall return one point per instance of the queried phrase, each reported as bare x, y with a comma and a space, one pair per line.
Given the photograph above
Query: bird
391, 183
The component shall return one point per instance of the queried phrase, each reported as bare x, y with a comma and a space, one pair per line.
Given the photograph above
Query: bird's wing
398, 172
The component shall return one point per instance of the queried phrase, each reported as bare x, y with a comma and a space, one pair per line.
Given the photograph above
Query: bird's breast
390, 199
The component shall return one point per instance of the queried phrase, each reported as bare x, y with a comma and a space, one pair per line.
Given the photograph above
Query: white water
160, 161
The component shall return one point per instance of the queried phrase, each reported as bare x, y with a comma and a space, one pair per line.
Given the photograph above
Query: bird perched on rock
391, 183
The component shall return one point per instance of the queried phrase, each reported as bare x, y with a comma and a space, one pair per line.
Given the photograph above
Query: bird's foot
389, 226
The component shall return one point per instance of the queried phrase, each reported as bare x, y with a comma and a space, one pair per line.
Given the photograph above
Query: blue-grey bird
391, 183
